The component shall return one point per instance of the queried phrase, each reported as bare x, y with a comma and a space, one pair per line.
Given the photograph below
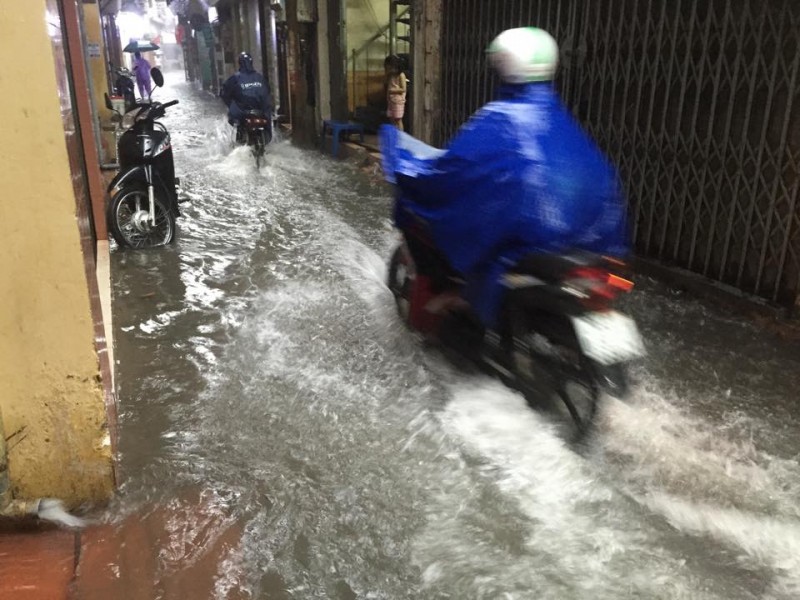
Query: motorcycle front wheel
400, 279
129, 218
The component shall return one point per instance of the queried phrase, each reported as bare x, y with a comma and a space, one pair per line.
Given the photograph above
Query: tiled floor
119, 561
37, 565
185, 549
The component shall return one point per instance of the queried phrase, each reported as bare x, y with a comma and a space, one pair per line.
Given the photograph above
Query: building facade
697, 102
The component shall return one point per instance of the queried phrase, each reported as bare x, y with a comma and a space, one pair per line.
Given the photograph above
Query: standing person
246, 90
141, 69
396, 85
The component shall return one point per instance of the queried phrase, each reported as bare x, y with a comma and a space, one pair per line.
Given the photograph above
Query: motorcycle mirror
109, 106
157, 76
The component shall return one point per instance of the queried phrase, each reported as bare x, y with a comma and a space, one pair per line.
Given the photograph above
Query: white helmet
524, 55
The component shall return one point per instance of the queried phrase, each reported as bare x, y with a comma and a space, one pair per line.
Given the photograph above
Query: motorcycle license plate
608, 337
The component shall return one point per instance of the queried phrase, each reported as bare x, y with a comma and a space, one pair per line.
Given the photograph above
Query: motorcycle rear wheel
560, 380
128, 220
258, 147
258, 153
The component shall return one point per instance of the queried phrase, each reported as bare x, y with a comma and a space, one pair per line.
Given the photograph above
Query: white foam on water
238, 163
365, 271
765, 540
577, 540
652, 444
160, 321
232, 576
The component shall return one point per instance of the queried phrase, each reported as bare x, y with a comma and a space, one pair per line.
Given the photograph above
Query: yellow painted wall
48, 365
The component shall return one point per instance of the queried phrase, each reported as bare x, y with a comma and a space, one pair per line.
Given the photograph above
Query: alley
302, 444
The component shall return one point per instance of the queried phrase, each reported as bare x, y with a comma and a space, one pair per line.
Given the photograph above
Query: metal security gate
697, 103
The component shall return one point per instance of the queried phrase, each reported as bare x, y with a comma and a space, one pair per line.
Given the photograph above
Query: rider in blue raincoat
520, 177
246, 90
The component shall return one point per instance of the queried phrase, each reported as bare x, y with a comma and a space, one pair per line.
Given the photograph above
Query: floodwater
262, 369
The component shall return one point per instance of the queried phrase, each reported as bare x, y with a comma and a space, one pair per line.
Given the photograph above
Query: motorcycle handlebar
168, 104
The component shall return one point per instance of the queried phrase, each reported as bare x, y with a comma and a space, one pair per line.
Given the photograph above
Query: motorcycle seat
551, 267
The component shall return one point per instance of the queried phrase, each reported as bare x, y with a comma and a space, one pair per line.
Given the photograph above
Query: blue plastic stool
339, 127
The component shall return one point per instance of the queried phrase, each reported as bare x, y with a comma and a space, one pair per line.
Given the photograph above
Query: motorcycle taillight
594, 286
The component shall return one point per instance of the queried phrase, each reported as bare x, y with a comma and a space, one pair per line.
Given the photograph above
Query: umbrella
144, 46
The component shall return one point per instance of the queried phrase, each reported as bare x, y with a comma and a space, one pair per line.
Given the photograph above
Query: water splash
765, 540
275, 372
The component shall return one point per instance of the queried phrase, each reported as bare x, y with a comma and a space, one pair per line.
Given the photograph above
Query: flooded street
262, 369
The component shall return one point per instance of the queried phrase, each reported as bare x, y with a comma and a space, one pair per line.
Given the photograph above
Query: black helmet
245, 62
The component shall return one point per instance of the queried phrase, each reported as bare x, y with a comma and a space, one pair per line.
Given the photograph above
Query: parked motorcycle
124, 87
256, 132
560, 341
144, 198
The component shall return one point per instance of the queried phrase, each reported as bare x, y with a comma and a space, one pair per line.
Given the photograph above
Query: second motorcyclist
244, 91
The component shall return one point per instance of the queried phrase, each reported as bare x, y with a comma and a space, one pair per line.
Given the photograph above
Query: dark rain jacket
246, 90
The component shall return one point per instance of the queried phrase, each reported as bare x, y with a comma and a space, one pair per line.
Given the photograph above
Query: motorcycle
124, 87
144, 197
256, 132
559, 341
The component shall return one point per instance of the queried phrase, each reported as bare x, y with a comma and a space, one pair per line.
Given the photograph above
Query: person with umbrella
141, 68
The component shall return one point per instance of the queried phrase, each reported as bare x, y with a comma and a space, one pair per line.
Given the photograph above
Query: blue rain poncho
520, 177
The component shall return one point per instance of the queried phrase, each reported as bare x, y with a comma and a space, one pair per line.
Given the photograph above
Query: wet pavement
285, 437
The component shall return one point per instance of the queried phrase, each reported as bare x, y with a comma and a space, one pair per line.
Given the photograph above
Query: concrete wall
48, 363
365, 76
364, 19
241, 33
366, 88
253, 33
